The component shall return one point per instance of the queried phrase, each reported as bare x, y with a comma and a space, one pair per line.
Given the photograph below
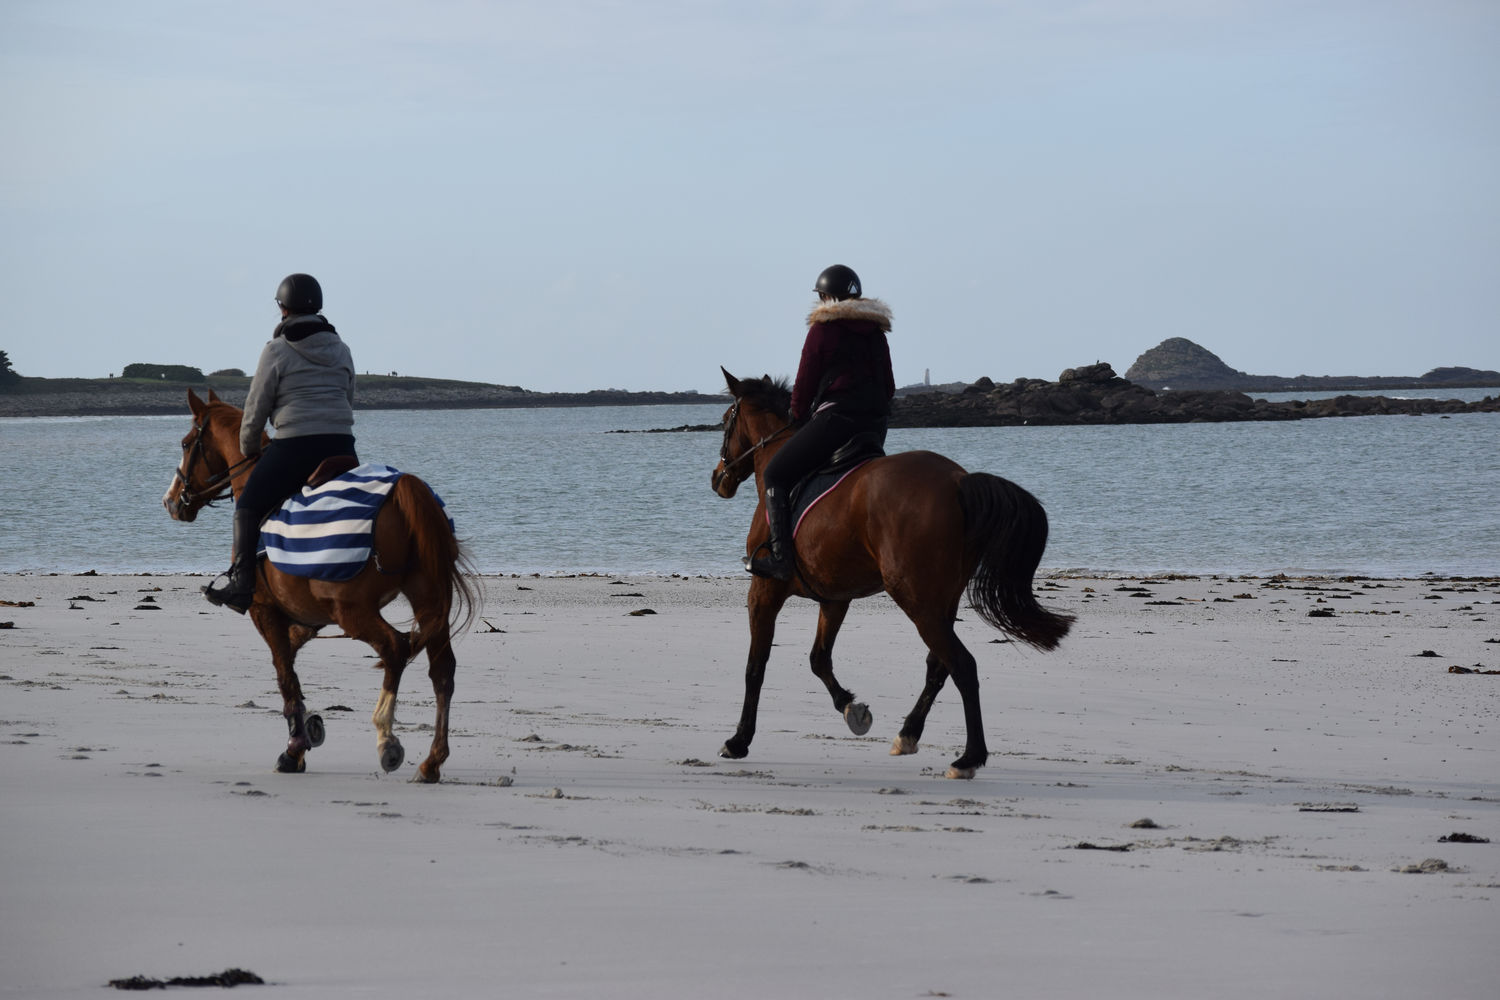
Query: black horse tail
442, 561
1005, 528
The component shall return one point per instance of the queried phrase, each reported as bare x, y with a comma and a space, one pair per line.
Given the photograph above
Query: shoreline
1042, 576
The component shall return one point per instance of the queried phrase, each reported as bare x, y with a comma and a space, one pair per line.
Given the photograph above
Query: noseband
217, 484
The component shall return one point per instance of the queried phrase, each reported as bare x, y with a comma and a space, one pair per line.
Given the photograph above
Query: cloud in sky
582, 195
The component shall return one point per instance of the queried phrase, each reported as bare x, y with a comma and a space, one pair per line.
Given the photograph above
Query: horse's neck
226, 441
768, 450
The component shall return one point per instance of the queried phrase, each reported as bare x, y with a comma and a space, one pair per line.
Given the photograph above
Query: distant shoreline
120, 397
1090, 395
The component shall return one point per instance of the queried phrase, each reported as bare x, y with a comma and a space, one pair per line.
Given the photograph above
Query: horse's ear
213, 397
195, 404
732, 382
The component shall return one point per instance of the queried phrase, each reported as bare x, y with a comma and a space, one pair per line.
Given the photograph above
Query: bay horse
914, 525
414, 554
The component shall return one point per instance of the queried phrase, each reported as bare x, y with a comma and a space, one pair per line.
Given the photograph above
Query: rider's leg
808, 449
282, 469
236, 588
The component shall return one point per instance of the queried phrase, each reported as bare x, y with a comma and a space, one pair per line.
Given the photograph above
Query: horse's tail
1005, 528
441, 560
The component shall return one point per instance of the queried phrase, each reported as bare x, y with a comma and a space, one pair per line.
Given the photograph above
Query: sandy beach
1217, 787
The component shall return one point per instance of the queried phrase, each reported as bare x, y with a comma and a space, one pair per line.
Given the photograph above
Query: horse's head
757, 417
208, 451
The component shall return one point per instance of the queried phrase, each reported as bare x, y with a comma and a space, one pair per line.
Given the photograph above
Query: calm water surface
550, 491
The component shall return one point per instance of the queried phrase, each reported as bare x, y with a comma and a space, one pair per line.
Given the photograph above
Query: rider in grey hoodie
304, 385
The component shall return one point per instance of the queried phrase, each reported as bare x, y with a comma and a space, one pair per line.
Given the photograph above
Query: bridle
731, 424
217, 484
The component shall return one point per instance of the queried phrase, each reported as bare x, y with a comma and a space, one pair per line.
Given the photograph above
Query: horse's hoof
959, 773
903, 745
731, 753
391, 756
425, 775
287, 764
857, 715
313, 726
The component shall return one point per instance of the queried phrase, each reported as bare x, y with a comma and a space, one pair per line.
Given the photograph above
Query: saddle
331, 468
858, 450
326, 532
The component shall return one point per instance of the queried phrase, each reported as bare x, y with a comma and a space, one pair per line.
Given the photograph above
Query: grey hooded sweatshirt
304, 384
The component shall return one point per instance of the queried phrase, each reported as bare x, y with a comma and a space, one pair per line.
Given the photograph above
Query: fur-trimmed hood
870, 310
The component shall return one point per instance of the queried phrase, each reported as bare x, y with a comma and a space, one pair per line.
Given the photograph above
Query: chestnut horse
414, 554
914, 525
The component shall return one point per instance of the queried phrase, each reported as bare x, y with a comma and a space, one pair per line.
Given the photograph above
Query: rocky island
1094, 394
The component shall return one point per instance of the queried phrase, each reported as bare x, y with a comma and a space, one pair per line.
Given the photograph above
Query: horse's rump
435, 562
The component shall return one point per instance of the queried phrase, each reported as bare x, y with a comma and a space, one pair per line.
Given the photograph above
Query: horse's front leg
766, 599
910, 736
285, 638
830, 617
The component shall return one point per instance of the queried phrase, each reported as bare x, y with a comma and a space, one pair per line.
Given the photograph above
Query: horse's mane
771, 394
227, 416
227, 411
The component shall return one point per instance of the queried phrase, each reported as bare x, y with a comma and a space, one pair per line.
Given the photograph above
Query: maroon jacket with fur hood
846, 360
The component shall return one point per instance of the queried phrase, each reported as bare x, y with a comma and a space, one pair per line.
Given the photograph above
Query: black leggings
811, 447
284, 467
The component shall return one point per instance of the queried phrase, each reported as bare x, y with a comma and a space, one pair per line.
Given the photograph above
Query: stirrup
763, 562
224, 596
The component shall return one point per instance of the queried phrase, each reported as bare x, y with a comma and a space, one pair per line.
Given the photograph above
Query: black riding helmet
839, 282
300, 295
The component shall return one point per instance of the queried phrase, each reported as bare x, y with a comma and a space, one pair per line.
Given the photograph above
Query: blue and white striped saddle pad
324, 532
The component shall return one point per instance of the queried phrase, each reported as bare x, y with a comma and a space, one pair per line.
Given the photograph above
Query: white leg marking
384, 717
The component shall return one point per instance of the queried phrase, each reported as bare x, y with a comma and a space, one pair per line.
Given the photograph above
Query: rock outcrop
1096, 395
1178, 363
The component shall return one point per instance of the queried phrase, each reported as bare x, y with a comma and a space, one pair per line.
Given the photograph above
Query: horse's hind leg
946, 651
910, 736
441, 665
830, 617
394, 650
965, 674
284, 638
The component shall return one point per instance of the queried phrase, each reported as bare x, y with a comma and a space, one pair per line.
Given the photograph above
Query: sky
583, 194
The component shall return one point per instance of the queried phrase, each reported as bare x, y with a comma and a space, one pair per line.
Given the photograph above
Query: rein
730, 425
218, 483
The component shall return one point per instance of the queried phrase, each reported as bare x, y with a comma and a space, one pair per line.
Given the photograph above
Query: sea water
554, 491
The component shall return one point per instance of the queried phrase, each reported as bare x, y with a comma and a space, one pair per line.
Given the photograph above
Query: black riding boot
236, 588
775, 557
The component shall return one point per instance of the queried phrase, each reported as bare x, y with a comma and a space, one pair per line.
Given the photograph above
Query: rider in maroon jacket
844, 387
